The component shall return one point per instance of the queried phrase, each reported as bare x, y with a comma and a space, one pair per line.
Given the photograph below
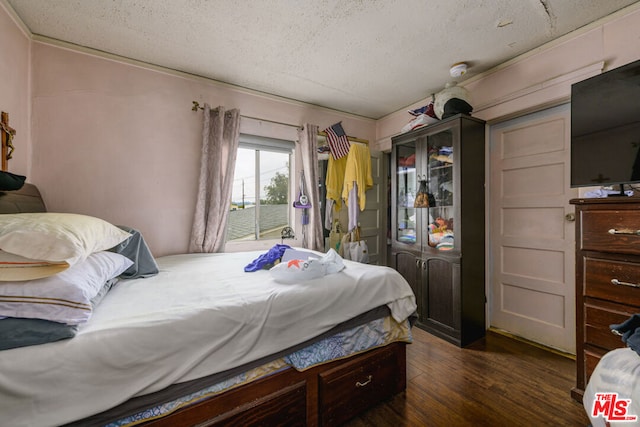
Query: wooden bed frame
325, 395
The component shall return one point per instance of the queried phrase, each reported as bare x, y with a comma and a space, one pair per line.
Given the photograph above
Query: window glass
260, 203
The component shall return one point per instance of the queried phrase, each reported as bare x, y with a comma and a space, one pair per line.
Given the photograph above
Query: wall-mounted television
605, 128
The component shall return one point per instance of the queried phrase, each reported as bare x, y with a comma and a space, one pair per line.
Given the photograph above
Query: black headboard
26, 199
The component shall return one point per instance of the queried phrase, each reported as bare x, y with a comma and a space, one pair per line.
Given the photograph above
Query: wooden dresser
607, 277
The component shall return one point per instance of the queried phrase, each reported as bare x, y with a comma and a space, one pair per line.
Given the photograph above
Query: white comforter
617, 372
201, 315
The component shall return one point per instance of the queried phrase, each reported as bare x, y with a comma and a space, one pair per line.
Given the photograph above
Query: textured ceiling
366, 57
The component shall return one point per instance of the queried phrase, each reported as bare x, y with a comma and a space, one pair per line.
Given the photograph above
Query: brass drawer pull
369, 379
625, 231
618, 282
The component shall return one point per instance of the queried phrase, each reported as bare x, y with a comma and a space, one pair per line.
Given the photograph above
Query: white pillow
64, 297
57, 237
14, 267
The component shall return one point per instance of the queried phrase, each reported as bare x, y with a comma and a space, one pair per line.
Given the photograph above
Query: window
260, 203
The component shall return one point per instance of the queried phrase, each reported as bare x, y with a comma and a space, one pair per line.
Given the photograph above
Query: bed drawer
623, 237
597, 320
349, 389
611, 280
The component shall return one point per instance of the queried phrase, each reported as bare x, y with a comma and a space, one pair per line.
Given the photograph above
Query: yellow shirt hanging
358, 170
335, 179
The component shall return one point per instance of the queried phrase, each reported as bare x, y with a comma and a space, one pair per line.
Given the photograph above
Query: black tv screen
605, 128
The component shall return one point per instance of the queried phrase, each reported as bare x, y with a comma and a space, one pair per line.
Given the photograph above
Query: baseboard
533, 343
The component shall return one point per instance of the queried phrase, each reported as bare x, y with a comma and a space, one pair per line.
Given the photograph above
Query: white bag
358, 251
353, 248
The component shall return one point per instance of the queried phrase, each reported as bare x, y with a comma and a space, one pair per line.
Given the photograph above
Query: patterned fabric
338, 141
376, 333
169, 407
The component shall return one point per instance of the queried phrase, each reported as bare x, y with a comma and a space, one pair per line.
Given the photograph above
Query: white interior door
532, 256
373, 219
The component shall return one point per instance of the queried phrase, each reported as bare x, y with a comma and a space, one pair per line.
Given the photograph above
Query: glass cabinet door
439, 176
405, 170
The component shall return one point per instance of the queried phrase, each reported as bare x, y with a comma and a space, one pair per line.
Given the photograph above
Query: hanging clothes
357, 171
333, 184
352, 207
335, 179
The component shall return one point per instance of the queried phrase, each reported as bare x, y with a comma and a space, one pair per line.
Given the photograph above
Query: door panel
531, 242
373, 218
441, 297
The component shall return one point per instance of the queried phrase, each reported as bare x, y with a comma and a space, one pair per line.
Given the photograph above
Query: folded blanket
629, 331
136, 249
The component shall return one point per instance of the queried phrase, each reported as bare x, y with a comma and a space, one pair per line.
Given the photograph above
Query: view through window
260, 200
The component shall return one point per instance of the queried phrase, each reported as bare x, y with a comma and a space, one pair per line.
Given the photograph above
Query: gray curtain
220, 138
313, 237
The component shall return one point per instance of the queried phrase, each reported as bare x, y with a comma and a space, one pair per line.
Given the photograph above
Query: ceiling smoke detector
458, 69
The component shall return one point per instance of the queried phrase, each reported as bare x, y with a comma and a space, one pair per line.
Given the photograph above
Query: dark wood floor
498, 381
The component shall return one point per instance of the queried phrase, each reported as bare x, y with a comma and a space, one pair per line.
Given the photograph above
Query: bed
612, 394
205, 343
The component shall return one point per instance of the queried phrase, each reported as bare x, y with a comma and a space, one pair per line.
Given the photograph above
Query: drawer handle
625, 231
618, 333
369, 379
618, 282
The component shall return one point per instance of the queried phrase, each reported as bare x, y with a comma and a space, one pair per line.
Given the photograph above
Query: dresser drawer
591, 359
597, 320
612, 280
347, 390
596, 235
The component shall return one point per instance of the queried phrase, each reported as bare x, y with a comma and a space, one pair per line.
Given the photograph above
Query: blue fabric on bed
268, 259
16, 332
137, 250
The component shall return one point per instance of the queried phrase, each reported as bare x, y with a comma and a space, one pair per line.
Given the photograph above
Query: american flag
337, 139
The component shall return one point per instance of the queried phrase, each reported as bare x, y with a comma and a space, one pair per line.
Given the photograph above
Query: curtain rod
350, 138
196, 106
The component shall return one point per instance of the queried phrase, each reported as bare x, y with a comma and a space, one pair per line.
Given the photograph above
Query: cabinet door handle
618, 282
418, 263
362, 384
625, 231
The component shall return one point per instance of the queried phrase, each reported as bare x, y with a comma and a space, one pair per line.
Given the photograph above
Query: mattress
200, 316
350, 341
617, 372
